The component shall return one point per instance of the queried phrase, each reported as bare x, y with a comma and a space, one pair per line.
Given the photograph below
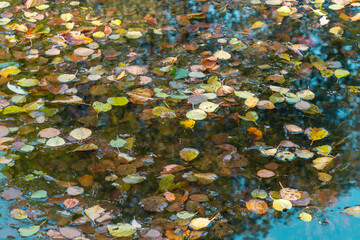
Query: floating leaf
257, 206
166, 182
74, 190
133, 34
117, 101
189, 154
353, 211
340, 73
29, 231
306, 217
101, 107
94, 212
178, 73
55, 142
133, 179
321, 162
250, 116
281, 204
39, 194
16, 89
255, 132
324, 177
264, 173
196, 114
208, 106
199, 223
19, 214
205, 178
121, 229
290, 194
11, 70
222, 55
259, 193
118, 143
71, 203
83, 52
317, 134
49, 132
285, 155
251, 101
80, 133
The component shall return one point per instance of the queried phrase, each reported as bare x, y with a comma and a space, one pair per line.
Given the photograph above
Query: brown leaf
264, 173
86, 180
257, 206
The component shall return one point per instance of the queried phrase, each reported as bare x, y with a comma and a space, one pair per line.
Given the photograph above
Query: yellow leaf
11, 70
251, 101
340, 73
199, 223
189, 154
324, 177
317, 134
258, 24
281, 204
305, 217
189, 123
321, 162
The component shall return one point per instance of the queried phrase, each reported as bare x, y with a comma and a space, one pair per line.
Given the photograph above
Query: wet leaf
118, 143
306, 217
94, 212
196, 114
290, 194
71, 203
101, 107
257, 206
18, 214
205, 178
121, 229
208, 106
80, 133
324, 177
29, 231
264, 173
317, 134
222, 55
322, 162
255, 132
117, 101
39, 194
166, 182
340, 73
55, 142
189, 154
199, 223
251, 101
250, 116
259, 193
281, 204
353, 211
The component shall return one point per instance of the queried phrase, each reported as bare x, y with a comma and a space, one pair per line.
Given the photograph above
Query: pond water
179, 119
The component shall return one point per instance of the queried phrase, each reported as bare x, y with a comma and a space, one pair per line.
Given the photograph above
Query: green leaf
166, 182
118, 143
340, 73
121, 229
101, 107
179, 73
39, 194
250, 116
117, 101
29, 231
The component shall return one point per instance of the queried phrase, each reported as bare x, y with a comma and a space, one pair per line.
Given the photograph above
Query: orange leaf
254, 131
